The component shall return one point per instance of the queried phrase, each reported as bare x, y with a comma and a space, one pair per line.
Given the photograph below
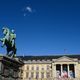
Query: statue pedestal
10, 68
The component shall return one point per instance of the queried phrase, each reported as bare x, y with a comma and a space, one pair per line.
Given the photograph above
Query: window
37, 68
42, 68
27, 67
47, 67
32, 74
37, 75
48, 74
27, 74
32, 67
42, 74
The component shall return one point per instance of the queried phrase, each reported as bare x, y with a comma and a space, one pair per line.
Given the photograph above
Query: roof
47, 57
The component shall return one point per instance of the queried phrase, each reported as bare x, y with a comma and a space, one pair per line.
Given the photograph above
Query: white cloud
28, 8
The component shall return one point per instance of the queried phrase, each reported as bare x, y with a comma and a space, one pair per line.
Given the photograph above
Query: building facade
50, 67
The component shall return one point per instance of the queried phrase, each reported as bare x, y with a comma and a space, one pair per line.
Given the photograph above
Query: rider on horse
9, 40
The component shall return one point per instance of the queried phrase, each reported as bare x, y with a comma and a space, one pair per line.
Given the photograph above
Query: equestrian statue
9, 41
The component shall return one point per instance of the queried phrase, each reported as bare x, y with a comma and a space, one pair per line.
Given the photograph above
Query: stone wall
9, 68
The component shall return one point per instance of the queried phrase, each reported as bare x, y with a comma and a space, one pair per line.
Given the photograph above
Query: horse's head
4, 30
1, 39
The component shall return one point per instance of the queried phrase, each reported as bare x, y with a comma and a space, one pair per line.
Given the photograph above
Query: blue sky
43, 27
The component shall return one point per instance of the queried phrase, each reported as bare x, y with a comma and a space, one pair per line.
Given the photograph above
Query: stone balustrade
56, 79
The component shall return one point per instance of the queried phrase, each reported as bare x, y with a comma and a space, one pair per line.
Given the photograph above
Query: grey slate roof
47, 57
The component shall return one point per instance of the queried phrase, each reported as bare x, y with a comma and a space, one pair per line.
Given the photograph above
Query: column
54, 71
61, 69
68, 70
75, 68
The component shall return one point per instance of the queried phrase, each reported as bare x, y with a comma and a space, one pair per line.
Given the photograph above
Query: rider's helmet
12, 31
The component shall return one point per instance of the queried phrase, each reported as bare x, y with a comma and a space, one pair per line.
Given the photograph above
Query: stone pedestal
10, 68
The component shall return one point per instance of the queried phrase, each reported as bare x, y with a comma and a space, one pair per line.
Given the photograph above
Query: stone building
50, 67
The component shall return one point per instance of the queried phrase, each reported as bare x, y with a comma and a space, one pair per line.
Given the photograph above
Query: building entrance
65, 70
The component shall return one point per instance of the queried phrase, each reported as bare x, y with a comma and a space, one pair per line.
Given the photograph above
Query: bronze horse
6, 41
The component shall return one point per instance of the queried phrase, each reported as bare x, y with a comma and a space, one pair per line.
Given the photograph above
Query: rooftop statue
9, 41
